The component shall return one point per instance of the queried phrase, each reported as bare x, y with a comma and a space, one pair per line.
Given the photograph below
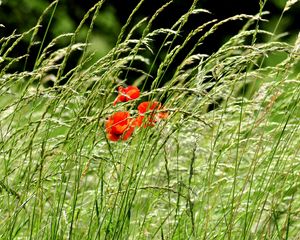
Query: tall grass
228, 173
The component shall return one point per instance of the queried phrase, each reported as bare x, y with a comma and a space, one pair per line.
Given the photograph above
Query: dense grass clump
225, 164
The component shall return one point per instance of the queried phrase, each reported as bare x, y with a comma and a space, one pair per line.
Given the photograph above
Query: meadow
223, 162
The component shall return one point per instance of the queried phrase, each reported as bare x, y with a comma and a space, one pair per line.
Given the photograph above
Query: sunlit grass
228, 172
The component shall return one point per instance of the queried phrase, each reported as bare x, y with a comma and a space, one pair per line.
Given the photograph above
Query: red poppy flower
127, 94
150, 107
119, 126
139, 121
